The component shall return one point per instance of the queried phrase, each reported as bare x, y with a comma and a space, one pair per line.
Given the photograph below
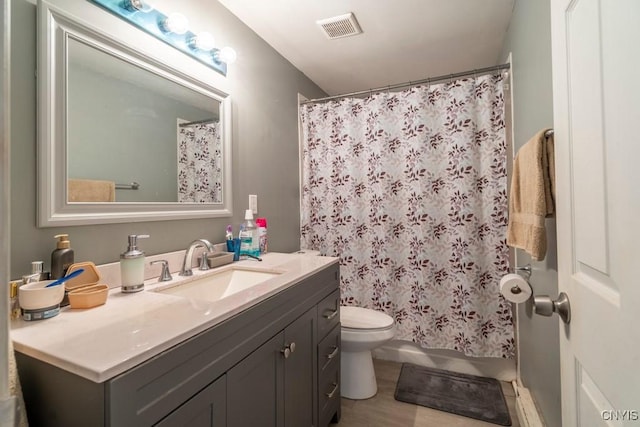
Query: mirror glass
123, 136
151, 139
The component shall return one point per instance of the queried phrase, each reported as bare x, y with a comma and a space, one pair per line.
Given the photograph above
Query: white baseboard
408, 352
526, 408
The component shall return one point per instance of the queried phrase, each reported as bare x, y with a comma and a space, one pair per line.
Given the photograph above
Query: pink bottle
261, 223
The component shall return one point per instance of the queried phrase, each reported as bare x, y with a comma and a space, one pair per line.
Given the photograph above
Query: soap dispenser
132, 265
61, 257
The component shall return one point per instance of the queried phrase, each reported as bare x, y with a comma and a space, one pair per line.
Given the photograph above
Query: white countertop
105, 341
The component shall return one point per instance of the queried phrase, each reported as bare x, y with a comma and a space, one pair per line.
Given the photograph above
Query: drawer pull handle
333, 353
332, 392
331, 315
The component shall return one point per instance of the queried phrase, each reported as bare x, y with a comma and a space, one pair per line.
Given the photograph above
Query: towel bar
133, 186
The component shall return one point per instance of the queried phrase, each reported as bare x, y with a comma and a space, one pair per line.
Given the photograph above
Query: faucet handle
165, 275
204, 263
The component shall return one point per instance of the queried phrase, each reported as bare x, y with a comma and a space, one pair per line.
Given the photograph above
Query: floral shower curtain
409, 189
199, 163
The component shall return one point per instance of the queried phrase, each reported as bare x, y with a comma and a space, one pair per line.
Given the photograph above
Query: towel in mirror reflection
91, 190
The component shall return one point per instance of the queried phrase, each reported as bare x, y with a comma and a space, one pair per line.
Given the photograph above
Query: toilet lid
364, 318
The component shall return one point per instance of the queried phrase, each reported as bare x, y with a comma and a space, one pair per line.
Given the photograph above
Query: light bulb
134, 5
203, 41
175, 23
226, 55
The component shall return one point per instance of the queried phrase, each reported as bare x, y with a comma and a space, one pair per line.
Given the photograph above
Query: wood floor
383, 410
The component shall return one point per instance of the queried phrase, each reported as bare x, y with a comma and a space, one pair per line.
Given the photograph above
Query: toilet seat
364, 319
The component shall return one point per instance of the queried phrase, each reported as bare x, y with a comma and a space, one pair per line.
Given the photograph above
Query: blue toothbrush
65, 278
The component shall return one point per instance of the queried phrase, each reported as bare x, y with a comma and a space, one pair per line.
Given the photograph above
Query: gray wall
529, 41
264, 88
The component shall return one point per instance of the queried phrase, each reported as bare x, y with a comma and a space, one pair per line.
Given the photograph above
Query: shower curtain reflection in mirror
199, 162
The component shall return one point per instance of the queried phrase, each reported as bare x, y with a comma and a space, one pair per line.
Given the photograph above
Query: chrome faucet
188, 256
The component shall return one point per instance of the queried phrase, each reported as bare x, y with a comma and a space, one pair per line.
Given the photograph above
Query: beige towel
89, 190
532, 196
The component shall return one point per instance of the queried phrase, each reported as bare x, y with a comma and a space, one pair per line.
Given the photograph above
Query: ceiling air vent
340, 26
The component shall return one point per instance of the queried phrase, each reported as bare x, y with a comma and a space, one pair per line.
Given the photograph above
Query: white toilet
362, 330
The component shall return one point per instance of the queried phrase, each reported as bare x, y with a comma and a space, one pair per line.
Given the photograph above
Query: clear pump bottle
249, 244
132, 266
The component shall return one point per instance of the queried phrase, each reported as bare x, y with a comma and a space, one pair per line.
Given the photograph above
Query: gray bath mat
467, 395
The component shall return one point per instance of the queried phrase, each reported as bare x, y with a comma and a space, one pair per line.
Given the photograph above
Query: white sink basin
214, 287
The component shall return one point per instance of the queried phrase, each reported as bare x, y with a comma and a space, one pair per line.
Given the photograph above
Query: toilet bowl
362, 330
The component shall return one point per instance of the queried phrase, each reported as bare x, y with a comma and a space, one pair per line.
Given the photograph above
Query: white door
596, 90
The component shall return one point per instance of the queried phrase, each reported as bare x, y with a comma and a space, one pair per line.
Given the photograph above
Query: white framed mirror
128, 131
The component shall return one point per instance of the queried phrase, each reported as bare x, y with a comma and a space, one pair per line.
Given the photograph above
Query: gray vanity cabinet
328, 350
255, 390
300, 378
276, 384
260, 367
206, 409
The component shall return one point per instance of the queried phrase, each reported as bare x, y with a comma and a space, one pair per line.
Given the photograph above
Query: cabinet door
205, 409
255, 392
300, 373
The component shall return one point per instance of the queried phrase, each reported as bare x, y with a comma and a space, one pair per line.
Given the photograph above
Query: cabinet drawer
328, 313
329, 351
329, 394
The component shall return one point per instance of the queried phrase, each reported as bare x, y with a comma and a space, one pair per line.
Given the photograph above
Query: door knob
545, 306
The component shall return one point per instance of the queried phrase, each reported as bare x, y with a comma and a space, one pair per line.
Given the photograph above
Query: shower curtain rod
198, 122
479, 71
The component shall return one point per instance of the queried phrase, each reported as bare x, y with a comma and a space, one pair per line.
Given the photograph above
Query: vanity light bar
159, 25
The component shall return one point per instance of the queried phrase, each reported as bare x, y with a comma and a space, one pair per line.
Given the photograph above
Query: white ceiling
402, 40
